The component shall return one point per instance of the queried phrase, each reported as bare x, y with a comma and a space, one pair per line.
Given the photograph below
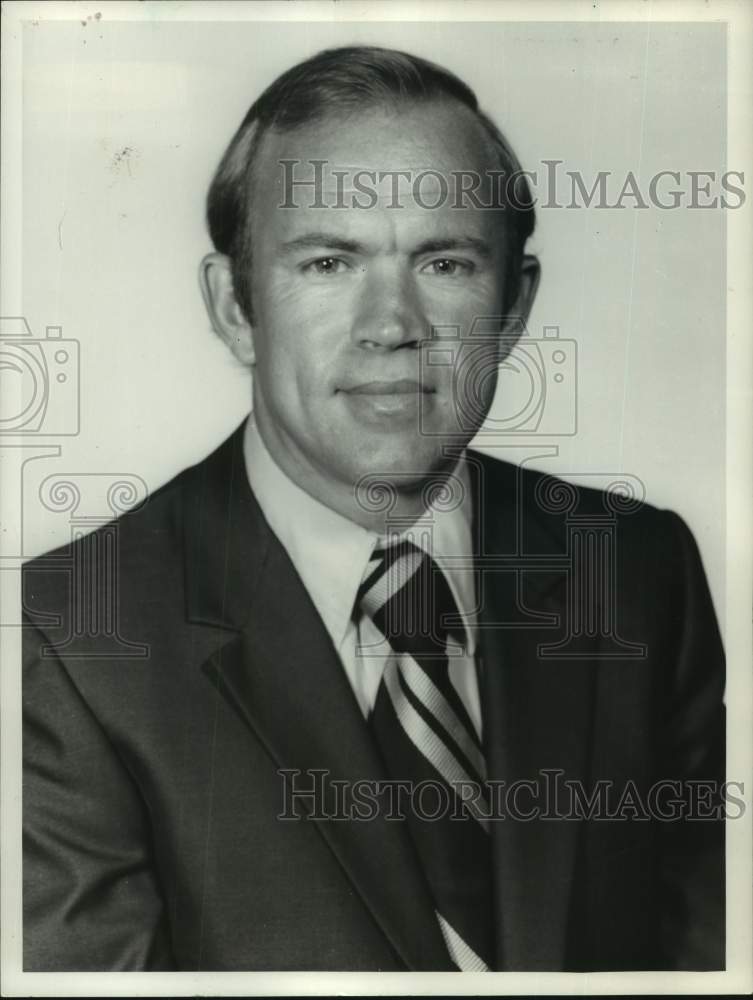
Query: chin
406, 467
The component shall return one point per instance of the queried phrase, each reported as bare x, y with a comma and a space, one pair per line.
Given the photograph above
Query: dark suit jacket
151, 785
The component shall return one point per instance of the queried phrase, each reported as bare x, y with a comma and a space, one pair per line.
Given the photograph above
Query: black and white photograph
376, 456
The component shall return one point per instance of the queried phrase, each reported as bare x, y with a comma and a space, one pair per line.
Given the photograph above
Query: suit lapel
537, 716
282, 675
280, 671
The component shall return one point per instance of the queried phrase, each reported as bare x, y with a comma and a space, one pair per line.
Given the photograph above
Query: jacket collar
225, 538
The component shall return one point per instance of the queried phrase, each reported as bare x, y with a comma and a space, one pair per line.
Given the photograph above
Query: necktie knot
408, 597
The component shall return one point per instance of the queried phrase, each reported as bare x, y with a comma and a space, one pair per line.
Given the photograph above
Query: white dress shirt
330, 554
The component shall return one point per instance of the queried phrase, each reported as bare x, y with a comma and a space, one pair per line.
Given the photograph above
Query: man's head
334, 291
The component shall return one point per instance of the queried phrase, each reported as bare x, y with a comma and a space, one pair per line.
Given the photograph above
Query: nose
389, 314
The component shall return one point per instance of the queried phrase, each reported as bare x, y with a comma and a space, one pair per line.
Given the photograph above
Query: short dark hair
342, 80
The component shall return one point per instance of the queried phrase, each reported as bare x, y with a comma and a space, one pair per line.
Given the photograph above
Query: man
370, 648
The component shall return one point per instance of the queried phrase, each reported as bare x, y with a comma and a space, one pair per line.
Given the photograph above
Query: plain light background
125, 122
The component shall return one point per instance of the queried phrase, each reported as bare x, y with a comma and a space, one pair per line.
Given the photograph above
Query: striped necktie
425, 735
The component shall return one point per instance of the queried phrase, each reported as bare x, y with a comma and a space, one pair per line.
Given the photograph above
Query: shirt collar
331, 553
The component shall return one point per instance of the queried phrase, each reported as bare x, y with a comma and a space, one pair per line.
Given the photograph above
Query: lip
386, 404
396, 387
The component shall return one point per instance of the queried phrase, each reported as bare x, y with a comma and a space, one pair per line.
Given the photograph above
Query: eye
448, 267
325, 266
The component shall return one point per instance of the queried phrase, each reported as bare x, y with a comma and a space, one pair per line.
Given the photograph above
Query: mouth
398, 387
386, 404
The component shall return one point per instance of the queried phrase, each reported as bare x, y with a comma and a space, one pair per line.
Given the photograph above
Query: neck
386, 508
380, 504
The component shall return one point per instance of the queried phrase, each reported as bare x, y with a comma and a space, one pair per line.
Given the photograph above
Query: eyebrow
478, 246
324, 240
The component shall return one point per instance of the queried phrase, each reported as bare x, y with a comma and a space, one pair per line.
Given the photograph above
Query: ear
517, 315
226, 315
528, 283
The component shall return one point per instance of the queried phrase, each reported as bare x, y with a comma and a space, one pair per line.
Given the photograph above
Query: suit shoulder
553, 499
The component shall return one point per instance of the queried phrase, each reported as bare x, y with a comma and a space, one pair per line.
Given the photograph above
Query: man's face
345, 299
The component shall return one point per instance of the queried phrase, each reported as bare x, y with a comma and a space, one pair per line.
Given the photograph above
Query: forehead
411, 158
441, 135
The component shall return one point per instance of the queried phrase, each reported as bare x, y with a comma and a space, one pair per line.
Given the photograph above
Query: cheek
292, 368
303, 322
279, 306
462, 306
